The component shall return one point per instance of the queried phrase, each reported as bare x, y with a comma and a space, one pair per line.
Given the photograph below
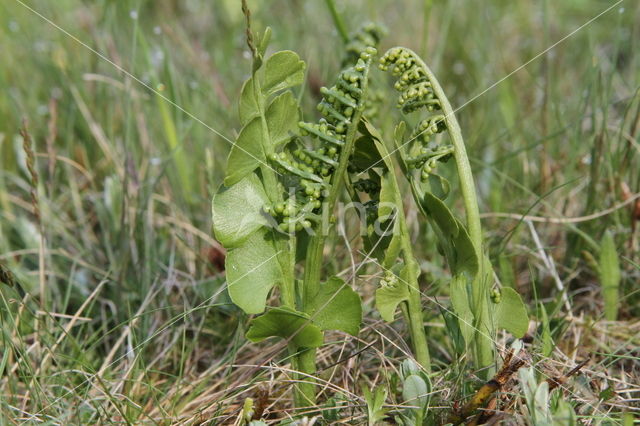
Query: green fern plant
280, 186
284, 178
419, 155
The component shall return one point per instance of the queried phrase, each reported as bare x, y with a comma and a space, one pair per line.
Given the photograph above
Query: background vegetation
131, 104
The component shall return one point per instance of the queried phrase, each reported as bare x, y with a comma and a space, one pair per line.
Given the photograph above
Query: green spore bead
324, 136
337, 95
284, 227
344, 84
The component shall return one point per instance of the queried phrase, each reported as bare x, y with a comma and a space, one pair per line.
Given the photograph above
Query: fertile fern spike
311, 169
416, 92
421, 90
368, 35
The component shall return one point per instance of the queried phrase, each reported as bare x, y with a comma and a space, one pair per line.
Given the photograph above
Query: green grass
126, 318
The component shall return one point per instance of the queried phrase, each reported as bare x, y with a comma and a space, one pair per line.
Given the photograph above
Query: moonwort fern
419, 155
285, 175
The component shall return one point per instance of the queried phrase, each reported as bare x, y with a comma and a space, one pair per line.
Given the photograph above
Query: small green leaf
264, 42
439, 186
252, 270
375, 401
452, 327
511, 313
286, 323
609, 267
365, 155
459, 295
547, 339
248, 105
454, 238
367, 128
398, 133
392, 251
237, 211
376, 244
282, 70
384, 154
441, 214
383, 157
398, 143
408, 367
390, 296
388, 200
564, 414
542, 414
337, 307
282, 118
466, 257
246, 153
415, 391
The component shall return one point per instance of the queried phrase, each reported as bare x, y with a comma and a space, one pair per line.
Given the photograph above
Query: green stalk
483, 343
313, 263
414, 304
413, 311
313, 267
337, 20
306, 392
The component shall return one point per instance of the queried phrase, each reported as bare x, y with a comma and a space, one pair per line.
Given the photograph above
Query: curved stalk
483, 342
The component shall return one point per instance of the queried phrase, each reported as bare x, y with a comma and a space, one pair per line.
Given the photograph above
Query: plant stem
306, 392
313, 263
414, 317
337, 20
413, 312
